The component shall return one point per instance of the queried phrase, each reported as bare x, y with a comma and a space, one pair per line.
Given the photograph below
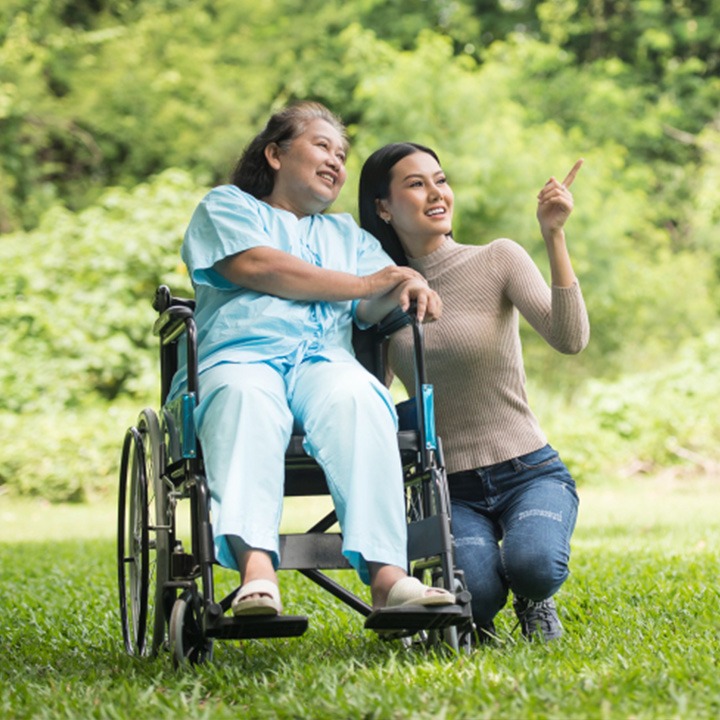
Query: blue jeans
512, 524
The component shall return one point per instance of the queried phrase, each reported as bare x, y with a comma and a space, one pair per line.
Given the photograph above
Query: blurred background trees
117, 115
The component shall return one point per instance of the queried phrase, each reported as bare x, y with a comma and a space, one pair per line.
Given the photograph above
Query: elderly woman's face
310, 172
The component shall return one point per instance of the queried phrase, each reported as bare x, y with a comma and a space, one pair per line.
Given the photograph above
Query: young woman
278, 285
514, 503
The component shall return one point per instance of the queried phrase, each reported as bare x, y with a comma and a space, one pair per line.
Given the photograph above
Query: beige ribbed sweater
473, 353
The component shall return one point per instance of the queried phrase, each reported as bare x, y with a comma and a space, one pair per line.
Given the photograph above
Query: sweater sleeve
558, 314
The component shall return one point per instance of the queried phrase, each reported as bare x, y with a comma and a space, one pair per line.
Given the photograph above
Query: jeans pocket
538, 458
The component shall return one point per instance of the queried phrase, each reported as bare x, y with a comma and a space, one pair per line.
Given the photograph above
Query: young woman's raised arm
555, 203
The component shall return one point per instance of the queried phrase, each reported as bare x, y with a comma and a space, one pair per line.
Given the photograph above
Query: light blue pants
244, 421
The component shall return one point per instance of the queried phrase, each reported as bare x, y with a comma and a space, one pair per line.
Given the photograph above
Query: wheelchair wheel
188, 643
143, 538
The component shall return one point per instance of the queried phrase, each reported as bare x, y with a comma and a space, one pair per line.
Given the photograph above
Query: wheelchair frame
166, 592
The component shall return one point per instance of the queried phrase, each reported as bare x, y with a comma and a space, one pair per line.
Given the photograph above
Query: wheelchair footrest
249, 627
410, 619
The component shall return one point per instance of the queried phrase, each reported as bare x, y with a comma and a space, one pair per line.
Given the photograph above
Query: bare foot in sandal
391, 587
410, 591
259, 593
257, 597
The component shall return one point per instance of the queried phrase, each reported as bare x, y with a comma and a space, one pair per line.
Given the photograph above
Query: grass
640, 612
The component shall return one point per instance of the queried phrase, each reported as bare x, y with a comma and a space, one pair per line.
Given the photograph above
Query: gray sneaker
538, 618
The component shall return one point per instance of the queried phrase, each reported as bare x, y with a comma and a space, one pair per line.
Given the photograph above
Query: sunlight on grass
665, 499
23, 519
670, 513
26, 519
639, 502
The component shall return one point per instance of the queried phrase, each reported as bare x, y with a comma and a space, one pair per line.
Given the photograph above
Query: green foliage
101, 95
651, 35
641, 422
76, 314
661, 416
77, 295
112, 92
64, 455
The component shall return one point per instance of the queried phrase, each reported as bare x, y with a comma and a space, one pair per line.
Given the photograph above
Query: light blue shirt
240, 325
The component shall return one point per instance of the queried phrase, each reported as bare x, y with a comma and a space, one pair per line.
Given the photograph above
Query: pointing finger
567, 182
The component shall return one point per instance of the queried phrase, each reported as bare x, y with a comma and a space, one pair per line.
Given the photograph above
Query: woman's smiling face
419, 205
309, 171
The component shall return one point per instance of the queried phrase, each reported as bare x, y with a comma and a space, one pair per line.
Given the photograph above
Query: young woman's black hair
375, 185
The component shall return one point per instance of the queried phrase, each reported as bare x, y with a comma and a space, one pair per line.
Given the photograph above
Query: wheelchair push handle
164, 300
423, 401
398, 319
176, 318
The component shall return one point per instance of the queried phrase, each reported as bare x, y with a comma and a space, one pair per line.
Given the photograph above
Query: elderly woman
514, 503
278, 285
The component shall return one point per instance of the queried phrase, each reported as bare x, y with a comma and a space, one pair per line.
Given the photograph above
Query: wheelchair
166, 590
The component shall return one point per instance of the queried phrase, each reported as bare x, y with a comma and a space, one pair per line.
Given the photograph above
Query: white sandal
258, 597
410, 591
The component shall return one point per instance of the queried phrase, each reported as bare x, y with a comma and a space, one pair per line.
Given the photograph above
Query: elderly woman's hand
427, 301
387, 280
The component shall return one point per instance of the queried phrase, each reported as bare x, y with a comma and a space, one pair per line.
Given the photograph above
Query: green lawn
640, 612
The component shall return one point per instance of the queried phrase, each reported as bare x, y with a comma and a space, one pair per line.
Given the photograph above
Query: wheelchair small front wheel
188, 643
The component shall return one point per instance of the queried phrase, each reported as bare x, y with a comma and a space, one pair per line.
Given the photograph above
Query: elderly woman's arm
278, 273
